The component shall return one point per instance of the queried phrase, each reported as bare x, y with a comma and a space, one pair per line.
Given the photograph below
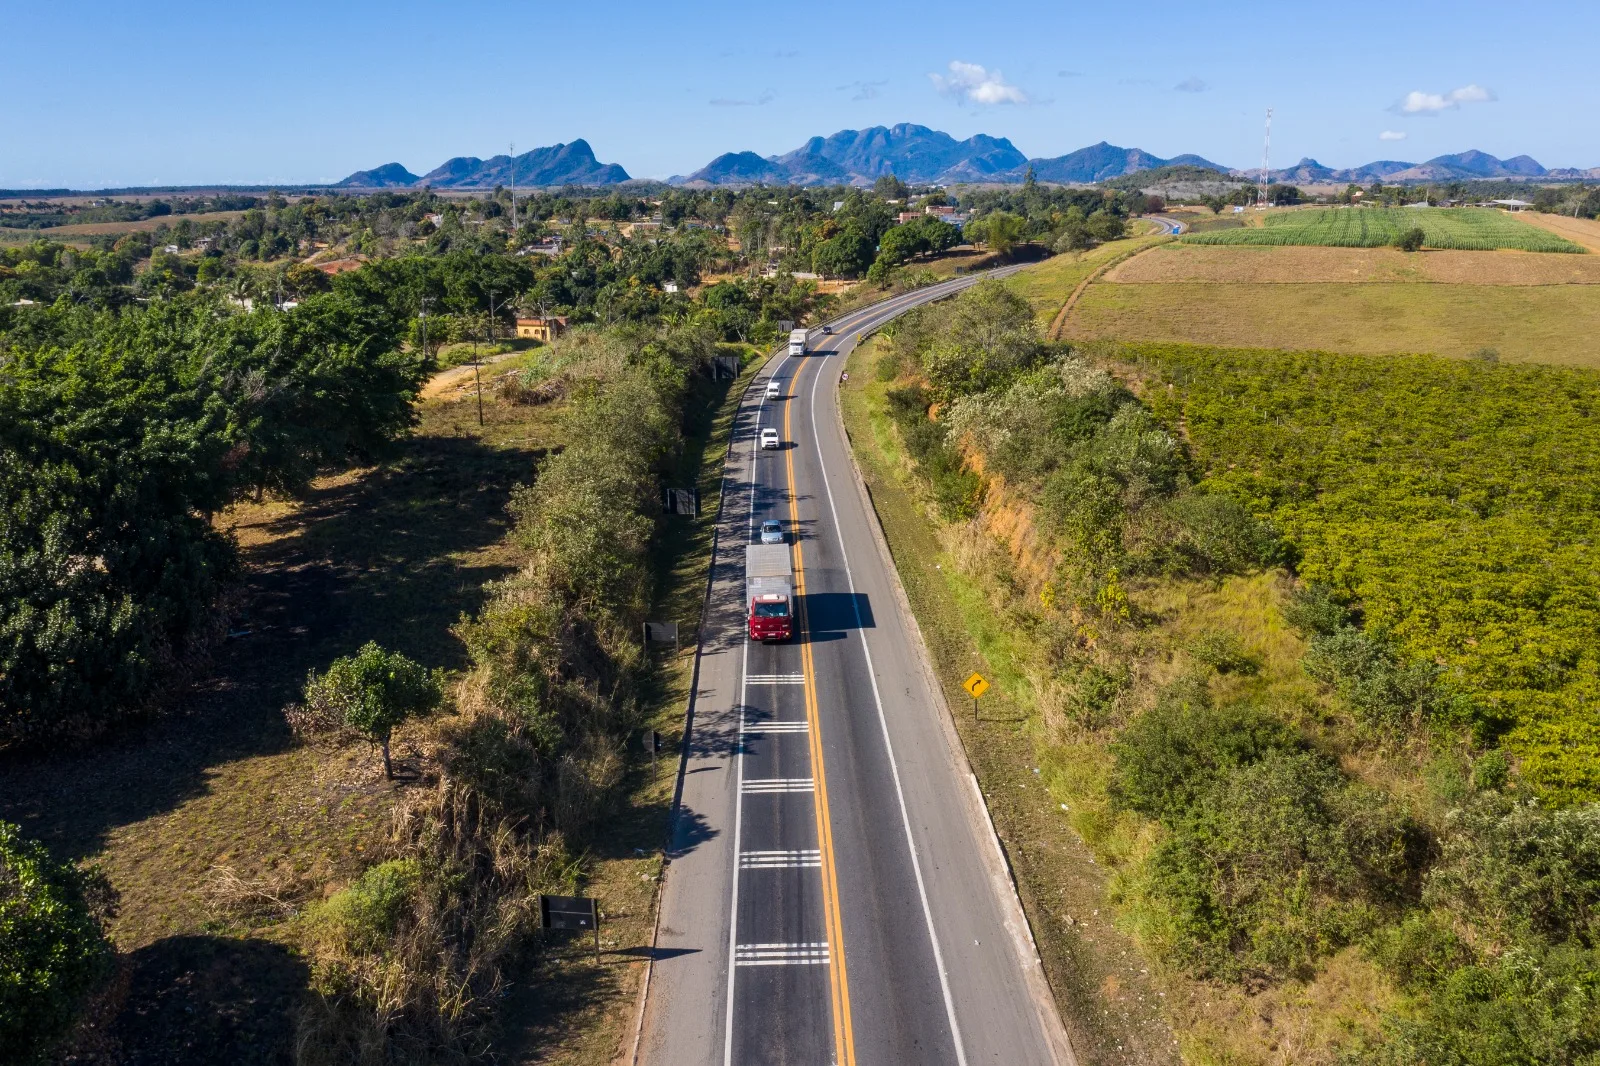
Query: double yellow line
843, 1033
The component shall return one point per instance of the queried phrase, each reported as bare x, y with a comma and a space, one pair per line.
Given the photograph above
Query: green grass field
1462, 229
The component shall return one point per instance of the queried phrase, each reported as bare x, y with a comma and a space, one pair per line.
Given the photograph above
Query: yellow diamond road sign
976, 685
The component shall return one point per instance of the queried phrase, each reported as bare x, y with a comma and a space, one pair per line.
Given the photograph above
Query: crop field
1474, 229
1453, 500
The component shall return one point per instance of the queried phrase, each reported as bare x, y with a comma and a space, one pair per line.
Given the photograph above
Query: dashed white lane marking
803, 954
756, 727
776, 679
778, 784
780, 860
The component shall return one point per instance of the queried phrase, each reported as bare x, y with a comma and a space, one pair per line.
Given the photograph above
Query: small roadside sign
571, 912
975, 685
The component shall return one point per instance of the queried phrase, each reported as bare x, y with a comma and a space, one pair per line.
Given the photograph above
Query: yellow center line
843, 1033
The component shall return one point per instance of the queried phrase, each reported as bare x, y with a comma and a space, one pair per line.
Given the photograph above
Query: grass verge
1105, 995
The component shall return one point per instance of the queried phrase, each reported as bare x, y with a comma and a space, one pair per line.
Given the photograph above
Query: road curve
834, 892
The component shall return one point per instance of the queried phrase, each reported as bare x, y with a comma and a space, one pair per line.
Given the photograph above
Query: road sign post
976, 686
571, 912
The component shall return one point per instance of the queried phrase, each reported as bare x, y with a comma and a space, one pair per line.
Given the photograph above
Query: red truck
769, 591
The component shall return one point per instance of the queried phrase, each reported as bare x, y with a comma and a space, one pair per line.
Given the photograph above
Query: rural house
544, 328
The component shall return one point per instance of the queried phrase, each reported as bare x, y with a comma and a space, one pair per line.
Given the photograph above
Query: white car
774, 390
772, 531
769, 438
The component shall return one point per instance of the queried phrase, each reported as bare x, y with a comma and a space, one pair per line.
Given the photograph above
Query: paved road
834, 892
1168, 224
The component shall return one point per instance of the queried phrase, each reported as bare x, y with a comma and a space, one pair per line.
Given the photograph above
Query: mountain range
1463, 166
921, 155
559, 164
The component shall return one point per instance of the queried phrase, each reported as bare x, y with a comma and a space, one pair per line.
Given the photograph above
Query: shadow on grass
377, 557
204, 999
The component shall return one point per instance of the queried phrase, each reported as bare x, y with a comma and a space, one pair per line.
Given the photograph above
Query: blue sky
100, 94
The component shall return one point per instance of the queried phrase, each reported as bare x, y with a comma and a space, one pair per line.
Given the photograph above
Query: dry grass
1557, 324
1258, 265
1584, 231
97, 229
1048, 285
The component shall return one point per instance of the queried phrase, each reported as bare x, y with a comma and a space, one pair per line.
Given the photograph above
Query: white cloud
1417, 102
974, 84
1191, 84
863, 90
760, 101
1391, 135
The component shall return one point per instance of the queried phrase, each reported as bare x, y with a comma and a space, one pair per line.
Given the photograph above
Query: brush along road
834, 892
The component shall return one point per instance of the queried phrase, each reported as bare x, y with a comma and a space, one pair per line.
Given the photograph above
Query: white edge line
744, 680
894, 766
1045, 1003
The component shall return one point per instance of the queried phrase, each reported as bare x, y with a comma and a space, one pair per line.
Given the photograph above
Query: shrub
1224, 653
53, 947
1258, 874
1200, 533
1516, 871
365, 915
1172, 753
1383, 693
1411, 240
1313, 610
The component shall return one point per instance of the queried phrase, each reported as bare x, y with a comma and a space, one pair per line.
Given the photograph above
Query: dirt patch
1258, 265
1584, 231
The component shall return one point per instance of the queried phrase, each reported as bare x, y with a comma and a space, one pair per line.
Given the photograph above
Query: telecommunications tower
1266, 163
513, 187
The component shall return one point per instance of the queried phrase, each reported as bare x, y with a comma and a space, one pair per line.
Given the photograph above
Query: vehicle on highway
797, 342
772, 531
768, 590
827, 331
769, 438
774, 390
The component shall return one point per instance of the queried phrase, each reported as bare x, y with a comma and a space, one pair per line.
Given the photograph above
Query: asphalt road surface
834, 892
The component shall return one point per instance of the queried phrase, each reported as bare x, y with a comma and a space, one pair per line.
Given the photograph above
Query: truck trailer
797, 342
768, 591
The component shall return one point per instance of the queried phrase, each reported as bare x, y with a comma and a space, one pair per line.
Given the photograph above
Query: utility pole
423, 316
476, 377
1266, 163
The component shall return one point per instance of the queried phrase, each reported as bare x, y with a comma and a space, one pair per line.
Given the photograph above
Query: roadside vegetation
1292, 643
278, 659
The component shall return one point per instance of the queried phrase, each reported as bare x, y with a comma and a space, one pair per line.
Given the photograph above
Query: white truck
768, 591
797, 342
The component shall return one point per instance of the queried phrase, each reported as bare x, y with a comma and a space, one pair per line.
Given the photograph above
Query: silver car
772, 531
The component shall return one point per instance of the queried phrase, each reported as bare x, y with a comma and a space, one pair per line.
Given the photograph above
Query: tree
890, 188
1411, 240
846, 255
373, 692
1000, 230
53, 946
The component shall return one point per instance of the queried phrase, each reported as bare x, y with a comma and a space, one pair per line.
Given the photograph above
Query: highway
834, 891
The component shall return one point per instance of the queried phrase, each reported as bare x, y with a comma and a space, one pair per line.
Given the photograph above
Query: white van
774, 390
